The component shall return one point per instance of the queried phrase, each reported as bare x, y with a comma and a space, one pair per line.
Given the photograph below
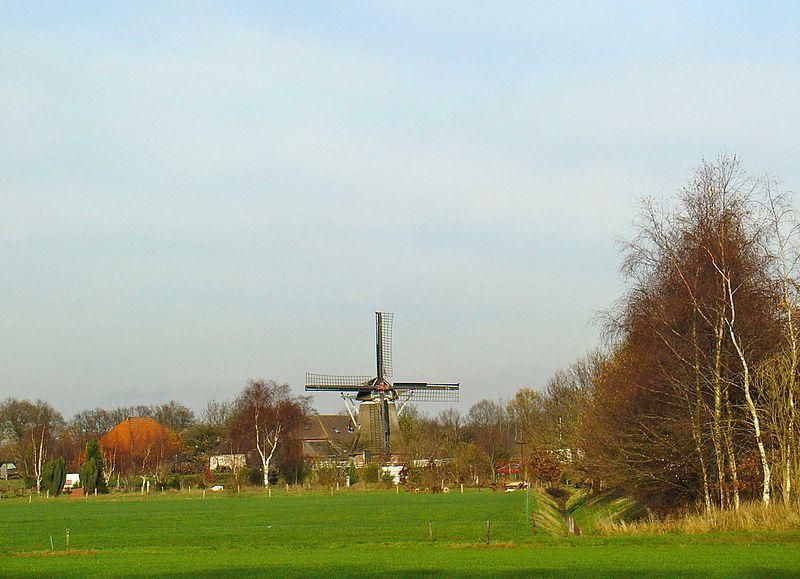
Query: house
329, 438
230, 456
8, 470
509, 469
227, 461
73, 479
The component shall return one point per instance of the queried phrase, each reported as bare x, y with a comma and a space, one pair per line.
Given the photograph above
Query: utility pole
524, 466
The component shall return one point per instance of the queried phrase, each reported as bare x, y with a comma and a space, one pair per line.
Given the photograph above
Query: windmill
377, 423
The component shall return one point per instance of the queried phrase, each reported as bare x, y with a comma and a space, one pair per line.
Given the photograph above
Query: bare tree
266, 412
218, 413
780, 377
31, 428
173, 415
491, 431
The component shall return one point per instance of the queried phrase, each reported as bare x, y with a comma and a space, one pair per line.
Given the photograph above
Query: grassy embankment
595, 513
354, 533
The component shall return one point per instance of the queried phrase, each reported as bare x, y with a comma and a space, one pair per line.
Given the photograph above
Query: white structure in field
227, 461
393, 471
73, 479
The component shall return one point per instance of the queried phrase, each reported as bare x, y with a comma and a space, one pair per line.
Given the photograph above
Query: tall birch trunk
716, 426
729, 450
751, 406
38, 458
695, 417
266, 449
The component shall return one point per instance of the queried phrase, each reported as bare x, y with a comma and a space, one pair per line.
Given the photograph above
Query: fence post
430, 531
488, 530
67, 538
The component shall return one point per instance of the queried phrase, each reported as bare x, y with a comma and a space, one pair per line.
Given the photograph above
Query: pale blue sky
196, 193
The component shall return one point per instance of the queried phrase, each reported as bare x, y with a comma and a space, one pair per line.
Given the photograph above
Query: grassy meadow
356, 534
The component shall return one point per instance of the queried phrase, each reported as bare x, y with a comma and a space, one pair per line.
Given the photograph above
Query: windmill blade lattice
383, 328
423, 392
336, 382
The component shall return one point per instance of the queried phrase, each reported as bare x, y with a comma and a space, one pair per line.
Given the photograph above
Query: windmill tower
377, 397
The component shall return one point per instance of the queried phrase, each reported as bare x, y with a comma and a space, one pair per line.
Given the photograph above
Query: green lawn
358, 533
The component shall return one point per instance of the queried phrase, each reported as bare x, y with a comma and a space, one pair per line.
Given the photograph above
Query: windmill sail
337, 382
383, 344
427, 392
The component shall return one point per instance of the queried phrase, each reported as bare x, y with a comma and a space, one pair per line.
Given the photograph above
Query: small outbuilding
8, 470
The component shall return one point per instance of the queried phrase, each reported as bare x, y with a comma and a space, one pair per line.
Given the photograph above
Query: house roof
334, 430
226, 446
333, 427
312, 449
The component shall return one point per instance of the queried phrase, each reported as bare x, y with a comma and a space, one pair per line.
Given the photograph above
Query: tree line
37, 438
263, 422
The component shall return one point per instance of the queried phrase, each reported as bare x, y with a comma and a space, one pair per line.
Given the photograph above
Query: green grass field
354, 534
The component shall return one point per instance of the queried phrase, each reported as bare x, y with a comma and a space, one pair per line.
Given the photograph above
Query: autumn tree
675, 408
542, 465
139, 446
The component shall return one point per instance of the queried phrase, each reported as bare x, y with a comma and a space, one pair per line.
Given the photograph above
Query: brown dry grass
749, 517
